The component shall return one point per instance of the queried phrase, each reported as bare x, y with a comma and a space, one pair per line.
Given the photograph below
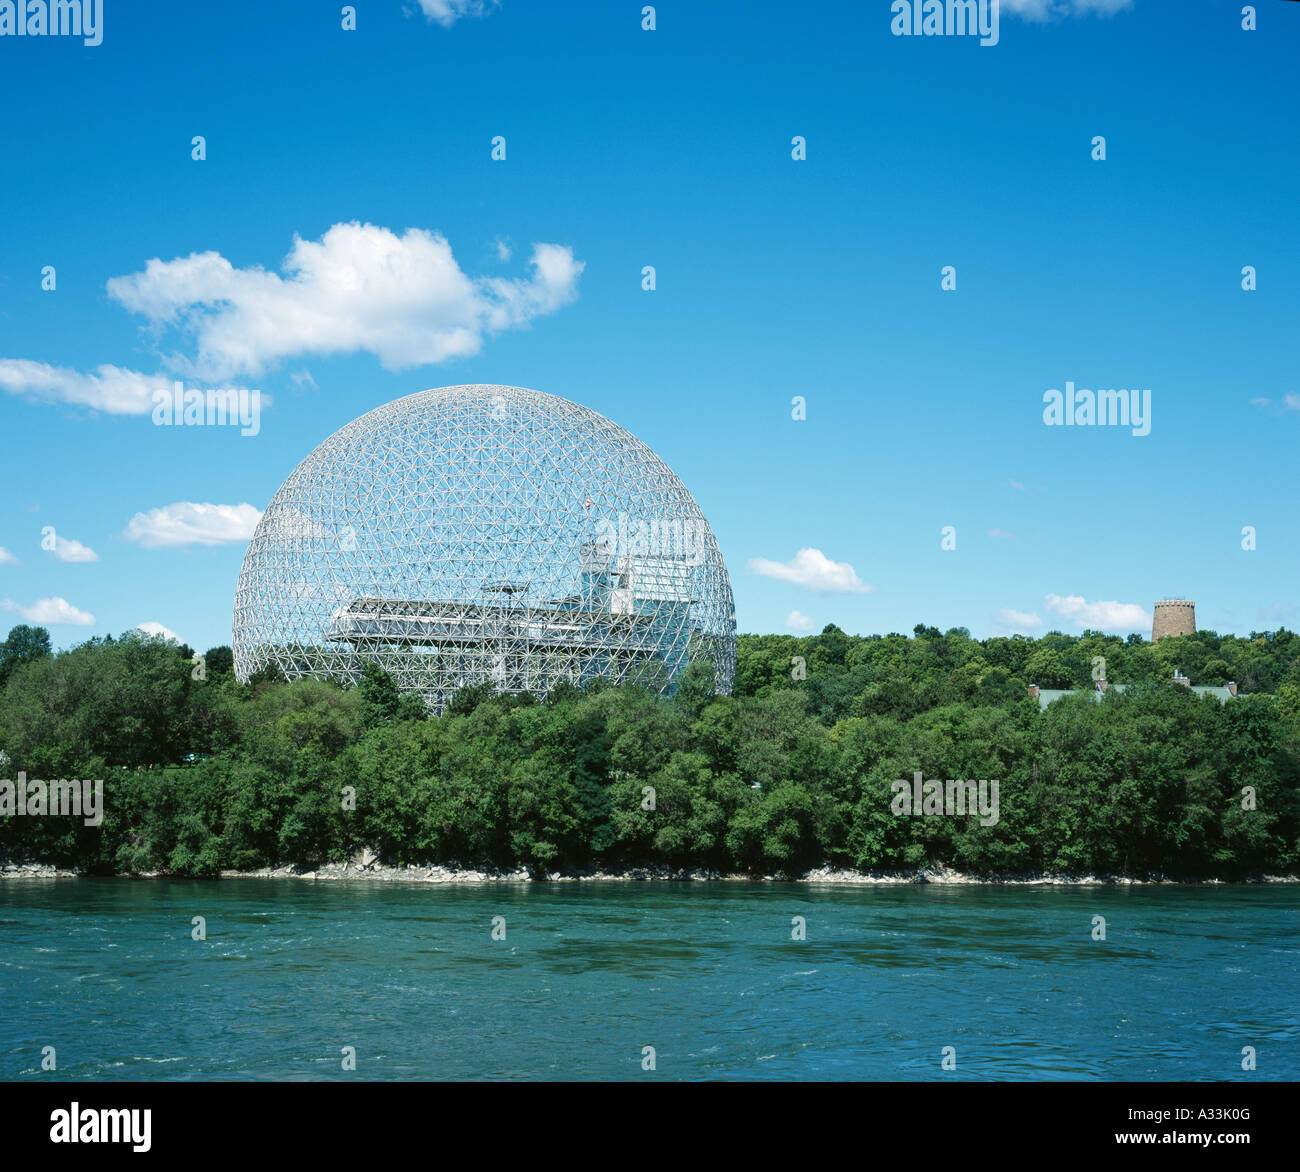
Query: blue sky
775, 278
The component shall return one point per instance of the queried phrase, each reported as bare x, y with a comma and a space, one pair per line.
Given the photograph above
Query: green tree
380, 697
24, 645
1048, 668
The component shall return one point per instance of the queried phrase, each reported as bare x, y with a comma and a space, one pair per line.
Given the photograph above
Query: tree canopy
795, 769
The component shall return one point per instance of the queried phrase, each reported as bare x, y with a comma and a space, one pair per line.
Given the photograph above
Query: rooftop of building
1046, 696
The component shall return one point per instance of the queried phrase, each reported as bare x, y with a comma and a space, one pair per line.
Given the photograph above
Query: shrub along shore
791, 776
456, 873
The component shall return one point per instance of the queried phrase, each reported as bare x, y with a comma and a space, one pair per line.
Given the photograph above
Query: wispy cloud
404, 299
110, 388
448, 12
51, 612
1016, 622
1003, 535
813, 570
1016, 485
187, 523
8, 559
1044, 10
1289, 402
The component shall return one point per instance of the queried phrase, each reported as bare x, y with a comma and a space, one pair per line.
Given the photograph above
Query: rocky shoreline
367, 869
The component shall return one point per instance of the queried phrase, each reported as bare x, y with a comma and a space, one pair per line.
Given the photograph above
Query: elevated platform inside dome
371, 621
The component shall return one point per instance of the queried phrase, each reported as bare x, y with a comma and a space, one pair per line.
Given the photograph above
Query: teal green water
589, 974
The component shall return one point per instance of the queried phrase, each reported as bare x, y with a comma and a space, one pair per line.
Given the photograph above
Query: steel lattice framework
484, 533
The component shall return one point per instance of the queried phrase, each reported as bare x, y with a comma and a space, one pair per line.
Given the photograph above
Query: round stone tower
1173, 616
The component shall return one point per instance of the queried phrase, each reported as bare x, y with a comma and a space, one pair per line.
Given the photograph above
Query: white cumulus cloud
188, 523
404, 299
152, 628
51, 612
797, 621
67, 550
1099, 616
813, 570
8, 559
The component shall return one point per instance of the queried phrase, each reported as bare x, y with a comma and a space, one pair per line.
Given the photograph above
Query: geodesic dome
484, 533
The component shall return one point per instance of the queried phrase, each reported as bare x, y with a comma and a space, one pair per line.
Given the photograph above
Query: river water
589, 975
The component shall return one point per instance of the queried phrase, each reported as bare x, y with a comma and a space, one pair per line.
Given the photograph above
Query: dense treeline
792, 771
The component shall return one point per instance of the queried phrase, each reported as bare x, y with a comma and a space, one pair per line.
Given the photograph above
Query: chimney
1232, 687
1033, 691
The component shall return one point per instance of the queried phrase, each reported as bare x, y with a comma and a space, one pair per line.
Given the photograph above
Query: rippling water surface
106, 971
